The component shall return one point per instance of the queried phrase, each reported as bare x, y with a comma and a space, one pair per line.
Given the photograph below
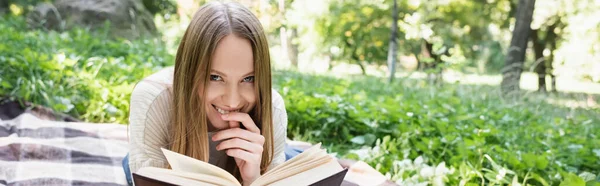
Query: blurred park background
442, 92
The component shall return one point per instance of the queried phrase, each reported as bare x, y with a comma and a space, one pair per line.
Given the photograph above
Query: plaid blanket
42, 152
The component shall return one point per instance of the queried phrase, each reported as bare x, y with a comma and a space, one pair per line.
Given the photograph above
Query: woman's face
231, 83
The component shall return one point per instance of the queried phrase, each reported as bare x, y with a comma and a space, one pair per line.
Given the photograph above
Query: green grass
458, 125
84, 74
410, 131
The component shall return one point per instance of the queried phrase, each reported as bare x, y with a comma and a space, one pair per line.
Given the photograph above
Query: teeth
224, 111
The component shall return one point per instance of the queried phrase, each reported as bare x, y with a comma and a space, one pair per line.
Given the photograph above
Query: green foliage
414, 133
23, 6
357, 32
74, 72
469, 128
161, 7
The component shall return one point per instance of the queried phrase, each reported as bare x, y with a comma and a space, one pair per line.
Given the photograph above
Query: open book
312, 167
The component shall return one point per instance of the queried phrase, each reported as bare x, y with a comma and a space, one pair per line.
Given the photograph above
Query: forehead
233, 56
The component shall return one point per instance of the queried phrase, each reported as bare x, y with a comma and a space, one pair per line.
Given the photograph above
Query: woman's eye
216, 78
248, 79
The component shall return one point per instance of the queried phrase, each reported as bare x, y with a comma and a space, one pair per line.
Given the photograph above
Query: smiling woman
216, 104
231, 86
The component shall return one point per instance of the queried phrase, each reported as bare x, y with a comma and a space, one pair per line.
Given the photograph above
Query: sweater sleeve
148, 121
279, 130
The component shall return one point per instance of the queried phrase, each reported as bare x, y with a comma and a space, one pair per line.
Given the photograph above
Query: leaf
538, 178
593, 183
572, 180
529, 159
515, 181
587, 176
366, 139
541, 162
358, 140
6, 85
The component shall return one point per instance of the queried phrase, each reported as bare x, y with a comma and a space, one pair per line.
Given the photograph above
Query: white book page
183, 163
298, 159
309, 177
165, 175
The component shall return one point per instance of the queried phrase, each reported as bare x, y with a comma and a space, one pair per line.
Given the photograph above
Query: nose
232, 97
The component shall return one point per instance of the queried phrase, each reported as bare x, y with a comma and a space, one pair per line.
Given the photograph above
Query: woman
216, 104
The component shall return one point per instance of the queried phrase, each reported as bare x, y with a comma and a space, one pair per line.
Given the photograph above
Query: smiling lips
225, 111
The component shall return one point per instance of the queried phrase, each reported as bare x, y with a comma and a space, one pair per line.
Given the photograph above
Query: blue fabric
126, 170
290, 152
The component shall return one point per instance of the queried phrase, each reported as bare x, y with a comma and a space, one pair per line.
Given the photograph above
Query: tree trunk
283, 36
540, 61
551, 38
359, 63
550, 66
431, 68
4, 7
513, 66
393, 43
292, 47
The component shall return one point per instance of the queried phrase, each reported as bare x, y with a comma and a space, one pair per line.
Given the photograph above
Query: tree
513, 66
161, 7
3, 7
288, 34
546, 38
356, 32
393, 43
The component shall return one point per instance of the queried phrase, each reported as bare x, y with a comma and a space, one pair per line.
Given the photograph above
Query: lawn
409, 130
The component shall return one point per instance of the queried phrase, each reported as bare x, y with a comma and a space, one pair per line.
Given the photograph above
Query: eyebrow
223, 74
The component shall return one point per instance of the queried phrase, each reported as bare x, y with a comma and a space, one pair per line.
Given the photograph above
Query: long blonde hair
189, 123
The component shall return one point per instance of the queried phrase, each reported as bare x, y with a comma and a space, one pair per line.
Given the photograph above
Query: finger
244, 118
237, 143
244, 155
239, 133
234, 124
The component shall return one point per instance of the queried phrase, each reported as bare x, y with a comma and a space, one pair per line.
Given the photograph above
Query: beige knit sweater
148, 122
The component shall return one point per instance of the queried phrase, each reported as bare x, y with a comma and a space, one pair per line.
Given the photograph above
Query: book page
183, 163
308, 161
311, 176
167, 176
362, 174
300, 158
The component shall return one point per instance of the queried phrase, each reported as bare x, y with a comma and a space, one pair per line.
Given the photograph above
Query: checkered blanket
42, 152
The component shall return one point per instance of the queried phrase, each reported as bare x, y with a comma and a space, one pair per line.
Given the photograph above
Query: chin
218, 123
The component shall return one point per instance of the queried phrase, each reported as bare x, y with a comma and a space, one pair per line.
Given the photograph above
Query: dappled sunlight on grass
585, 103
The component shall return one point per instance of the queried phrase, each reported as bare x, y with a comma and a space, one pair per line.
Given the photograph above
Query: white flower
427, 172
418, 161
438, 181
501, 174
441, 169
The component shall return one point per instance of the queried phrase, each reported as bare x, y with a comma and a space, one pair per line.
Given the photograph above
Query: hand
245, 146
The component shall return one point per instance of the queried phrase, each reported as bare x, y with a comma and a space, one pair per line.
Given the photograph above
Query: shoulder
279, 112
155, 83
151, 97
277, 100
152, 87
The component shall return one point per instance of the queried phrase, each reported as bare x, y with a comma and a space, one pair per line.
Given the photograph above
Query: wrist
247, 182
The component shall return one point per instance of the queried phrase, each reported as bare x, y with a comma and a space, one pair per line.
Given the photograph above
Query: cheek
250, 95
212, 92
